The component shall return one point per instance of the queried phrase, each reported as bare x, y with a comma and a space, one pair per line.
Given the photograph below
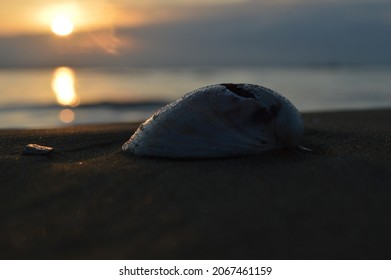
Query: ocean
44, 98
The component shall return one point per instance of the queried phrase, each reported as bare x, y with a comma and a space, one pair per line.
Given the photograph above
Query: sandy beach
89, 200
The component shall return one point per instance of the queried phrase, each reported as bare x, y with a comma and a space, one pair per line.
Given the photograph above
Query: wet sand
89, 200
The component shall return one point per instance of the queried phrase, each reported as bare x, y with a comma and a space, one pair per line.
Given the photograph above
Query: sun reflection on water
63, 85
67, 116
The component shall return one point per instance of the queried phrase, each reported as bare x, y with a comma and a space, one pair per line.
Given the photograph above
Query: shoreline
89, 200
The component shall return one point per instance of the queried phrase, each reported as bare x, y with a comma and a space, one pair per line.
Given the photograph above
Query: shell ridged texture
218, 121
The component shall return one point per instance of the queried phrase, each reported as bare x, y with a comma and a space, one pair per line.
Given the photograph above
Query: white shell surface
219, 121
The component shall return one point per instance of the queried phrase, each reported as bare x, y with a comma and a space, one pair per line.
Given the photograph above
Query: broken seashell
35, 149
219, 121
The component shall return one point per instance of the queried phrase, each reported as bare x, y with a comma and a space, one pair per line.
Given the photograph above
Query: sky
196, 33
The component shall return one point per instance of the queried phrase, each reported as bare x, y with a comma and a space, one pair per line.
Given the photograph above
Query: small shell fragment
35, 149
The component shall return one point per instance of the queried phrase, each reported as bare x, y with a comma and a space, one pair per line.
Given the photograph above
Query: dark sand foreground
90, 200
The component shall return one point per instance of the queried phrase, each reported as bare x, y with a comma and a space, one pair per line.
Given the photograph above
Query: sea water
53, 97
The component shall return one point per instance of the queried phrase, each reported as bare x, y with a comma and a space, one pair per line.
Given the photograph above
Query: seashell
35, 149
219, 121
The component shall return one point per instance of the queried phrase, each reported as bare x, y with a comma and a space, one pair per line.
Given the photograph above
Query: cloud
255, 35
299, 33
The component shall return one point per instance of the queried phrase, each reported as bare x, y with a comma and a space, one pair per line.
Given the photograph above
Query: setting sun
62, 26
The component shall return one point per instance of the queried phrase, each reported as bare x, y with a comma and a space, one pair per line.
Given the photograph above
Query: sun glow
62, 26
63, 85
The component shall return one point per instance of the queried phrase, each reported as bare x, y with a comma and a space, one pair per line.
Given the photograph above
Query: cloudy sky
198, 33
